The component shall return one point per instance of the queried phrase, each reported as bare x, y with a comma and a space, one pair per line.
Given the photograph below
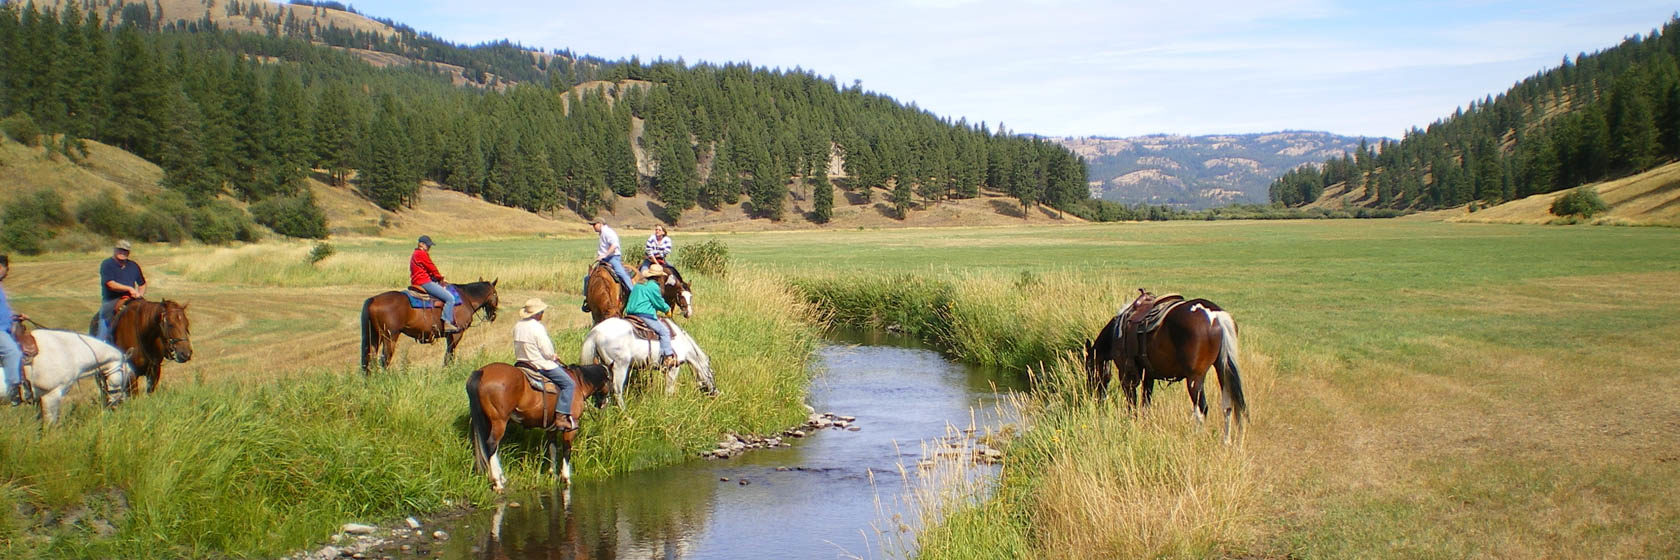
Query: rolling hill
1199, 171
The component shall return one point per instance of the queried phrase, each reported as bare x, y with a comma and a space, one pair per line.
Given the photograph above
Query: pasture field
1417, 389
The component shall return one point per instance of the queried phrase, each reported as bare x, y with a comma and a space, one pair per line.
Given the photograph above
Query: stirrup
450, 328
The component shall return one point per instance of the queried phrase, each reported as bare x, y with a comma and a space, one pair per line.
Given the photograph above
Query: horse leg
1147, 386
671, 379
552, 445
152, 375
387, 349
50, 402
498, 481
1129, 381
449, 343
1198, 400
621, 372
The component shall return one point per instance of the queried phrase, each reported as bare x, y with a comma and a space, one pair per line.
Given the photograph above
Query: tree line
250, 115
1603, 115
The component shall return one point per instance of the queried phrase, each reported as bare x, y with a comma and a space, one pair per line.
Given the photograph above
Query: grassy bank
1417, 389
264, 467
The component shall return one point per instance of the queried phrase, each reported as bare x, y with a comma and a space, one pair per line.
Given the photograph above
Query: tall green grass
259, 469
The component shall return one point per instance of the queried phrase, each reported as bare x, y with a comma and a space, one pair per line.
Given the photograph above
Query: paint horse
1174, 340
393, 313
499, 393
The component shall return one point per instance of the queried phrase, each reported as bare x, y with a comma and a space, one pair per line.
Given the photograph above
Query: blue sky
1095, 68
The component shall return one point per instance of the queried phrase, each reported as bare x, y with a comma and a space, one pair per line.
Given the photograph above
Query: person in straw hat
534, 349
646, 301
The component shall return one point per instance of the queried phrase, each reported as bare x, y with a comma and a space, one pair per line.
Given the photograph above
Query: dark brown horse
1193, 336
389, 314
500, 392
606, 298
150, 333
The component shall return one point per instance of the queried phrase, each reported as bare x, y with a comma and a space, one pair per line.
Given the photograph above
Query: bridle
99, 379
169, 342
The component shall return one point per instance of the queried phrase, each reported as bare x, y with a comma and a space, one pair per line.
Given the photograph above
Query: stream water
837, 486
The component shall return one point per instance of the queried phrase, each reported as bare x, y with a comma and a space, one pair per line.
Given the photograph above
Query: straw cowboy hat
532, 307
655, 271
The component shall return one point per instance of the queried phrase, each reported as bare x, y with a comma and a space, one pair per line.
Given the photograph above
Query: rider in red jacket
422, 273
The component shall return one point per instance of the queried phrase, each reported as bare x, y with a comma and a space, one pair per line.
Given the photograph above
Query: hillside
242, 119
1199, 171
1595, 117
449, 214
1649, 198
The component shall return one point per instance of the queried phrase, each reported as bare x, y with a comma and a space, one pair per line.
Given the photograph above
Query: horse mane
593, 374
476, 290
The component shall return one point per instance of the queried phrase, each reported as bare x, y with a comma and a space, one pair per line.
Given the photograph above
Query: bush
321, 252
104, 215
29, 221
633, 255
1583, 203
710, 257
22, 128
22, 237
292, 216
220, 223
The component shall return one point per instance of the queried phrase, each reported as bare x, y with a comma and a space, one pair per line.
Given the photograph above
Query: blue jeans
105, 311
563, 403
617, 262
11, 358
664, 333
438, 291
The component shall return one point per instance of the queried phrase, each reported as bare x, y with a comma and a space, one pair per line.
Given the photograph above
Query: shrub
22, 236
633, 255
321, 252
710, 257
44, 207
104, 215
220, 223
22, 128
1582, 202
292, 216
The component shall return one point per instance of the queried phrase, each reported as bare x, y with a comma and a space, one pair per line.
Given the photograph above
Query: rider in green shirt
647, 301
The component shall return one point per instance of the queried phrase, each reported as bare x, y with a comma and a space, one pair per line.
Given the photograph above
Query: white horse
614, 344
67, 357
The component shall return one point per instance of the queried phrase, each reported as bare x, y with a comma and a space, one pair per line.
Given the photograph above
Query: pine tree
822, 196
137, 96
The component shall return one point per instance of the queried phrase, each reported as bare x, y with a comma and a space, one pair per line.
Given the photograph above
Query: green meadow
1417, 389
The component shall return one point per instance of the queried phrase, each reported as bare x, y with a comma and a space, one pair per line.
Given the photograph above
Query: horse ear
493, 282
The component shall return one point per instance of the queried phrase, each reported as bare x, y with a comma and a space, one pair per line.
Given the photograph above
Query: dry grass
1649, 198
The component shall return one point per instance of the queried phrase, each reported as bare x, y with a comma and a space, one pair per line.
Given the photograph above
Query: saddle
643, 331
1138, 320
623, 290
540, 383
419, 299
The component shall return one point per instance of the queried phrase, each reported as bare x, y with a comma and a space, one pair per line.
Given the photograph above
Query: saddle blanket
639, 326
538, 381
422, 300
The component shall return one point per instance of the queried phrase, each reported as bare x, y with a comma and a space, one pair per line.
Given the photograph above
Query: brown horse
500, 392
606, 298
150, 333
389, 314
1193, 336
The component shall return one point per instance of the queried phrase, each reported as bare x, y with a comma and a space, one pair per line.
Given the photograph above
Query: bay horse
500, 392
605, 301
150, 333
67, 357
613, 343
389, 314
1193, 336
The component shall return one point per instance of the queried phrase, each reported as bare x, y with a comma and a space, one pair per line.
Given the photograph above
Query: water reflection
817, 499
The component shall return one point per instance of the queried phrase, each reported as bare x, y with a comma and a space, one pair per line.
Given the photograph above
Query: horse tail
367, 332
591, 352
479, 421
1229, 378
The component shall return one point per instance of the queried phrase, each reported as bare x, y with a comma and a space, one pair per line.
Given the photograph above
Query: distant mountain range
1200, 171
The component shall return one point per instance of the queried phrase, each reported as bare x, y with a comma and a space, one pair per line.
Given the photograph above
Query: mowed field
1417, 389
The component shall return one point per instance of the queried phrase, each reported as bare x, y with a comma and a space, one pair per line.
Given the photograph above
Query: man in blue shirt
119, 278
11, 357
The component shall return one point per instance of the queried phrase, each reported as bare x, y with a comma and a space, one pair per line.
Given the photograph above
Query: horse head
491, 301
177, 332
113, 380
680, 292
